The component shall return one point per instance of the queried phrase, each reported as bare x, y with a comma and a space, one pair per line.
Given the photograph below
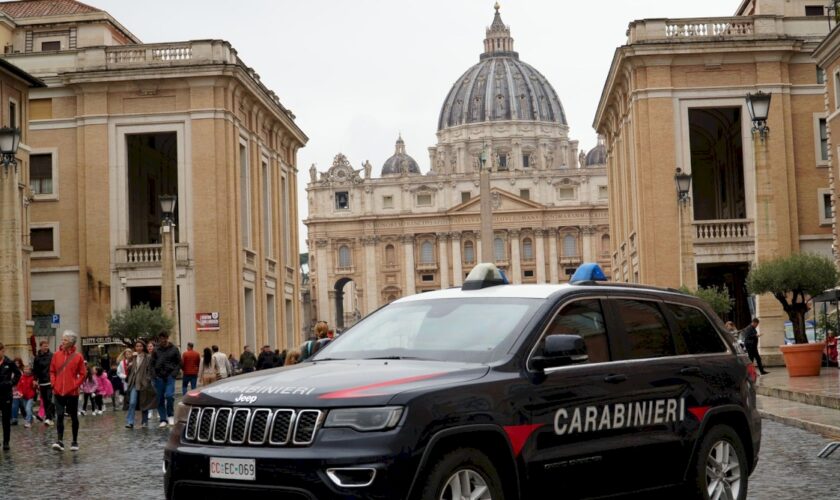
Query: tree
793, 280
138, 322
717, 298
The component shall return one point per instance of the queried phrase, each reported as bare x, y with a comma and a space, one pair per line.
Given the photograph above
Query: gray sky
357, 73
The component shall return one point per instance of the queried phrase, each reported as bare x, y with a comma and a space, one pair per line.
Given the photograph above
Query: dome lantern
498, 39
400, 163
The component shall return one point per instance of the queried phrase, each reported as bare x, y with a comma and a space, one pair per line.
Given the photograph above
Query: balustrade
720, 230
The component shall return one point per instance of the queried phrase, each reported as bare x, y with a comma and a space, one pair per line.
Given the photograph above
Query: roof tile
43, 8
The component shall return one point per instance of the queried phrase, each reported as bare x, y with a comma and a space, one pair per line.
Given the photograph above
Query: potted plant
793, 280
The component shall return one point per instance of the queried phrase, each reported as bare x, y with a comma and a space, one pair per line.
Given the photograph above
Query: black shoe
129, 426
58, 445
6, 447
14, 422
74, 446
764, 372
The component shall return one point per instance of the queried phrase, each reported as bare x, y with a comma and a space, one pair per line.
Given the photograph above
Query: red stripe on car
362, 391
699, 411
519, 434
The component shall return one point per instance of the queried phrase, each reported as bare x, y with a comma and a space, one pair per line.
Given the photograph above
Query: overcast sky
357, 73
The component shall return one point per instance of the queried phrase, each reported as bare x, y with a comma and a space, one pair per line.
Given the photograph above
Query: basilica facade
373, 239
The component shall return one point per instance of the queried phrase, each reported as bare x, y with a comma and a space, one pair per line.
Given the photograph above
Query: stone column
540, 248
515, 264
457, 272
168, 287
517, 157
410, 272
478, 253
588, 254
371, 288
443, 260
331, 309
12, 307
552, 255
323, 263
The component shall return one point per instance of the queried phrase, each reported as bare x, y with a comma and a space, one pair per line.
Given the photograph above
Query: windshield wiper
398, 357
329, 359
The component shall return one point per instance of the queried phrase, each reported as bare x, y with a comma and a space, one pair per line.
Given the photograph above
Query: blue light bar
588, 272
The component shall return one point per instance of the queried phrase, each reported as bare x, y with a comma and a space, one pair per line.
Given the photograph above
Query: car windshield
473, 330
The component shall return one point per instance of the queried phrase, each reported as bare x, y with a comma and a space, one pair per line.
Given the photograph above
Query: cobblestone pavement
119, 463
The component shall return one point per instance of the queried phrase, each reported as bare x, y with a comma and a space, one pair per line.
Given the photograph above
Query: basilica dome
597, 156
500, 87
400, 162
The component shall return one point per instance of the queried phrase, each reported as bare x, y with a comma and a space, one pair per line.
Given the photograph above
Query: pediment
503, 201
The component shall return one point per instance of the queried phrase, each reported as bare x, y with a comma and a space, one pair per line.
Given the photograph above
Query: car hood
334, 383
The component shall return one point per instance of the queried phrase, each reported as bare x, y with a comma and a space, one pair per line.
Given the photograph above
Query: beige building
121, 123
373, 239
15, 202
675, 99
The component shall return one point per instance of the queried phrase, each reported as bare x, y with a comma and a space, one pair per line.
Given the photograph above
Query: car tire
463, 469
720, 465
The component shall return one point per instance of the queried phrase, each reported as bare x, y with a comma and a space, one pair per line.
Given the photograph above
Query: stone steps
813, 418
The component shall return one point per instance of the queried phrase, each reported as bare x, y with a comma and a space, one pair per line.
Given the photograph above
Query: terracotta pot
803, 360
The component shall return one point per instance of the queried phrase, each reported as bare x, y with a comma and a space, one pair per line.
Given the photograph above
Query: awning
828, 296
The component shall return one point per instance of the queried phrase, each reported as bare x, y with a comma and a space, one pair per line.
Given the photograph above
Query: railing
250, 257
148, 255
723, 230
429, 266
148, 53
344, 270
271, 265
717, 28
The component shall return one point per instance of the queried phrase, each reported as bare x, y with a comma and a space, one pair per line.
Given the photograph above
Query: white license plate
242, 469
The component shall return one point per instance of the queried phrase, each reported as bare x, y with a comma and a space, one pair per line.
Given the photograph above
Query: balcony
724, 240
139, 256
725, 28
426, 266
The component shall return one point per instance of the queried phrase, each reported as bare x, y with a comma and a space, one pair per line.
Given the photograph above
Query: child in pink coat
104, 389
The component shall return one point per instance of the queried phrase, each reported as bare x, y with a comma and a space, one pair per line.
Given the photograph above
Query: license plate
241, 469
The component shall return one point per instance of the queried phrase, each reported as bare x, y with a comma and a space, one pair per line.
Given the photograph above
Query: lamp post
167, 260
682, 181
486, 209
12, 306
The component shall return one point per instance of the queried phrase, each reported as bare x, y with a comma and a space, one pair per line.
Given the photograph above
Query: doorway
732, 277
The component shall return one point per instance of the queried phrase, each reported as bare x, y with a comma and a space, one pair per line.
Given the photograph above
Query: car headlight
365, 419
182, 411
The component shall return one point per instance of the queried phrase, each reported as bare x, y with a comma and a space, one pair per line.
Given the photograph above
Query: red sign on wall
207, 322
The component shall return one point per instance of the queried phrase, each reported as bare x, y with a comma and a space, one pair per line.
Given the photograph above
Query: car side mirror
561, 350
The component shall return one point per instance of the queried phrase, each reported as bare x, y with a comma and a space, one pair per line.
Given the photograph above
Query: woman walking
88, 390
141, 392
208, 370
104, 389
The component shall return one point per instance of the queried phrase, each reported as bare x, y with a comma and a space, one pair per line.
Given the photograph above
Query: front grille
253, 426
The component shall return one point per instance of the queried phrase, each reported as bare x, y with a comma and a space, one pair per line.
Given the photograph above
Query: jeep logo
245, 399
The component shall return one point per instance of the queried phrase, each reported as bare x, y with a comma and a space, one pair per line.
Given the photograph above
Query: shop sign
207, 322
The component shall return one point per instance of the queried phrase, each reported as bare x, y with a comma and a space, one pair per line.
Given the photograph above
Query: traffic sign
56, 320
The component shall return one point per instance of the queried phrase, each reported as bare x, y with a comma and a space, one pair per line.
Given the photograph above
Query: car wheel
720, 467
465, 473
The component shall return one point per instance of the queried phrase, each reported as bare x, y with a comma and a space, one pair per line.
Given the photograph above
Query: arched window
390, 256
605, 243
499, 248
427, 253
527, 249
344, 259
469, 252
569, 246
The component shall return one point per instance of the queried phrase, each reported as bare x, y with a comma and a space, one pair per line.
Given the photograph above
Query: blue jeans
27, 406
165, 388
15, 408
190, 380
132, 407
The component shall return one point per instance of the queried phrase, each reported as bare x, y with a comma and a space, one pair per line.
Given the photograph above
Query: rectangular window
244, 196
566, 193
503, 162
271, 320
40, 109
583, 318
647, 332
526, 161
826, 213
424, 200
837, 89
287, 208
41, 174
48, 46
699, 335
427, 277
387, 202
823, 140
42, 239
42, 311
525, 193
290, 325
342, 200
528, 274
814, 10
820, 75
603, 193
13, 115
465, 196
268, 219
250, 318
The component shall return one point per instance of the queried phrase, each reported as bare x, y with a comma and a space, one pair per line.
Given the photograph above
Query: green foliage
792, 281
139, 322
717, 298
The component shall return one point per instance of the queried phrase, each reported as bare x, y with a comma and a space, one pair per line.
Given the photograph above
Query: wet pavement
115, 462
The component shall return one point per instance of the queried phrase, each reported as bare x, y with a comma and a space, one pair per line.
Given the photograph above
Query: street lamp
167, 261
683, 182
758, 105
9, 142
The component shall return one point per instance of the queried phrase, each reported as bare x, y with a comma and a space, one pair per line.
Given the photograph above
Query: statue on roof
313, 173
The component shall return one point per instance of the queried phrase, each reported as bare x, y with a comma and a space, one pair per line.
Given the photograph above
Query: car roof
533, 291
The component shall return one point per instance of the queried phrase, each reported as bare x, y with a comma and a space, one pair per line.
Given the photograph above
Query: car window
698, 333
584, 318
648, 335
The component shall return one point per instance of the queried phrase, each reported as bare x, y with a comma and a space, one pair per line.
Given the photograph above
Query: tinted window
648, 335
699, 335
584, 318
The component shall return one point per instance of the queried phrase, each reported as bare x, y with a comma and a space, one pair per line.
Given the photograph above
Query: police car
489, 391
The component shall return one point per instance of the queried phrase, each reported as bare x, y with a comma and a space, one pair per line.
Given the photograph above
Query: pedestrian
88, 391
15, 393
292, 358
27, 387
225, 370
234, 365
277, 358
166, 361
247, 360
311, 346
266, 359
9, 377
751, 336
208, 371
67, 373
189, 366
733, 331
141, 392
282, 360
122, 373
41, 369
104, 389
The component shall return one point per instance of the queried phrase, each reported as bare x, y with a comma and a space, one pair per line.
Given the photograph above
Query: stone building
374, 239
674, 99
121, 123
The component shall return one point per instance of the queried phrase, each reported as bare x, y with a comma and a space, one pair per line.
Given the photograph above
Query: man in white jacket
225, 370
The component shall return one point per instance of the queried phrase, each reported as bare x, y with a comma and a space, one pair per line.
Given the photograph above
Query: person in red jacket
67, 372
27, 387
189, 366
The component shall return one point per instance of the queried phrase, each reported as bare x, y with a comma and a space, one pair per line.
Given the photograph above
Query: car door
658, 390
573, 447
